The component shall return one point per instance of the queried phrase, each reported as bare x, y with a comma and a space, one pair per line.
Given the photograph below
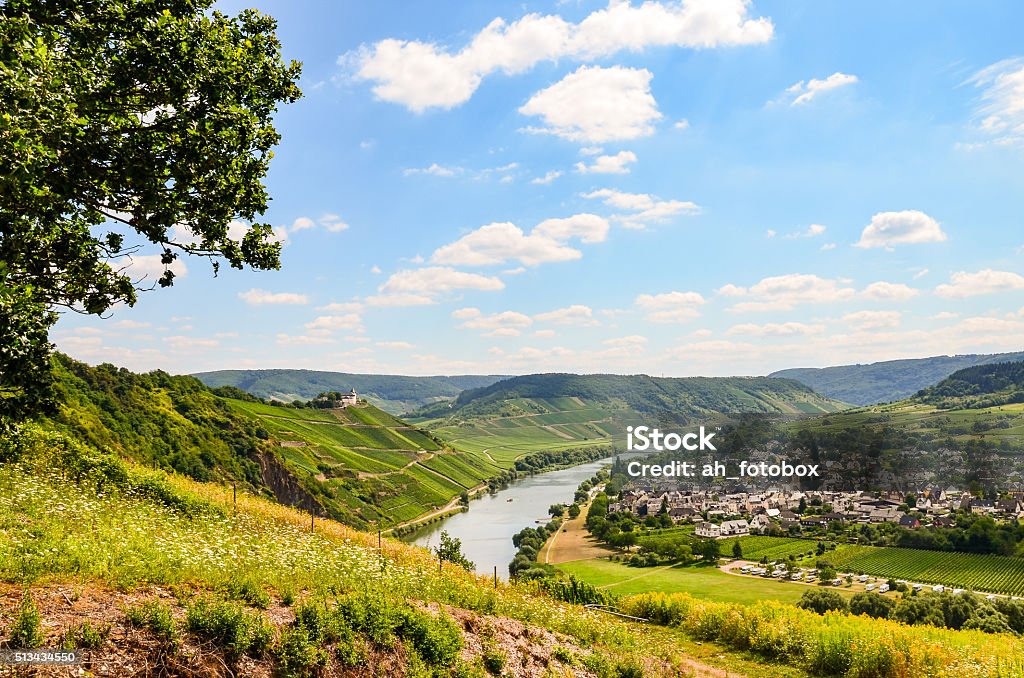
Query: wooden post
495, 576
312, 517
439, 565
234, 493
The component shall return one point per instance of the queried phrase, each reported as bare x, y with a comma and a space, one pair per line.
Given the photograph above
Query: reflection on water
486, 529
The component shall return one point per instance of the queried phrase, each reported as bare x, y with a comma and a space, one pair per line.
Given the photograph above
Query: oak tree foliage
126, 126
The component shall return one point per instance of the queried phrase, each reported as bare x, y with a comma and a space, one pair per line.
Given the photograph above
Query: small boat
509, 500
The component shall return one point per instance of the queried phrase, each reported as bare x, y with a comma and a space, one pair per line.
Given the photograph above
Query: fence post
234, 493
312, 517
495, 576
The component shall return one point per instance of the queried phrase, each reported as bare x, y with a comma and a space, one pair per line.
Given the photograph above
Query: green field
537, 424
773, 548
995, 574
705, 582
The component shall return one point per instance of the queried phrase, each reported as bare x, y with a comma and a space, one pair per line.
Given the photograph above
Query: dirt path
572, 542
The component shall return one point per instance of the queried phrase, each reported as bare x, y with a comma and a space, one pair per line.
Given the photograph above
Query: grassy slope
58, 533
886, 381
392, 393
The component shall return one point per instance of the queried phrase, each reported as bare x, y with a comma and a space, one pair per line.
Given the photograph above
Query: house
760, 523
910, 522
349, 398
735, 528
708, 530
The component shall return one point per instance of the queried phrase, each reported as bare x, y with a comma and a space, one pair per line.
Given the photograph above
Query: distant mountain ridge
392, 393
866, 384
684, 396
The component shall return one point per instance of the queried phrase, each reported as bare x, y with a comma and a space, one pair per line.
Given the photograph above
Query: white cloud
496, 243
433, 170
963, 284
396, 345
331, 323
783, 292
595, 104
132, 325
803, 92
547, 178
811, 231
1000, 113
873, 320
730, 290
887, 291
900, 228
577, 314
508, 322
920, 274
149, 267
608, 164
258, 297
421, 286
770, 233
828, 246
670, 307
545, 333
591, 150
332, 223
682, 124
945, 315
643, 208
375, 270
788, 329
633, 340
183, 343
423, 75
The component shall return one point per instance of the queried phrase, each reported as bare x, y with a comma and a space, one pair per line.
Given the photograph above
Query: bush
230, 626
155, 617
85, 636
437, 639
298, 655
27, 632
248, 591
872, 604
494, 659
821, 601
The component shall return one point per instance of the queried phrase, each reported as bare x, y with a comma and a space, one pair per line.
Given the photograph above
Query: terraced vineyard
530, 425
995, 574
370, 466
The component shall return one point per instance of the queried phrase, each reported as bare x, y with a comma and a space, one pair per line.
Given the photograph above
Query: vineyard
995, 574
773, 548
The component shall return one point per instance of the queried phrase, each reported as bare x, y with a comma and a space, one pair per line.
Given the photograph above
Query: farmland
989, 573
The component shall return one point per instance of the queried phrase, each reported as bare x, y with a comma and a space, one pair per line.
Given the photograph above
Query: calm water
486, 529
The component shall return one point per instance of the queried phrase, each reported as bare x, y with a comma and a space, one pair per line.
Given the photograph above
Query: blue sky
670, 188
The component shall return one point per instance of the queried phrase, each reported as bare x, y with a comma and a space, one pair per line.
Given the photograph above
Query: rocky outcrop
284, 484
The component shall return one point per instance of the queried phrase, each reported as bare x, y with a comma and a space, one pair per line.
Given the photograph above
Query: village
720, 516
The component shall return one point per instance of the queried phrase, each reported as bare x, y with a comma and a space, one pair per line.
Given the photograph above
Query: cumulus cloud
331, 323
642, 208
421, 75
595, 105
497, 243
873, 320
670, 307
258, 297
608, 164
283, 339
433, 170
783, 292
504, 324
396, 345
887, 291
547, 178
422, 286
577, 314
775, 329
900, 228
812, 231
631, 341
963, 284
1000, 112
803, 92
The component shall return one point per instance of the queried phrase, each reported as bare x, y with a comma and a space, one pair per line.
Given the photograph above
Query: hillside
978, 387
392, 393
359, 465
149, 574
889, 380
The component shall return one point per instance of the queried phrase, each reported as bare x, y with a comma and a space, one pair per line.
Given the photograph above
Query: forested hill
689, 396
977, 387
393, 393
887, 381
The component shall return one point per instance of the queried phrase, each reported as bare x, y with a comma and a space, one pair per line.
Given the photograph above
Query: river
486, 529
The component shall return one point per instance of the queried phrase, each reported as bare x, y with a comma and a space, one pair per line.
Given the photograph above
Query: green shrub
298, 655
248, 591
85, 636
437, 639
564, 655
494, 659
27, 632
376, 616
157, 618
230, 626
